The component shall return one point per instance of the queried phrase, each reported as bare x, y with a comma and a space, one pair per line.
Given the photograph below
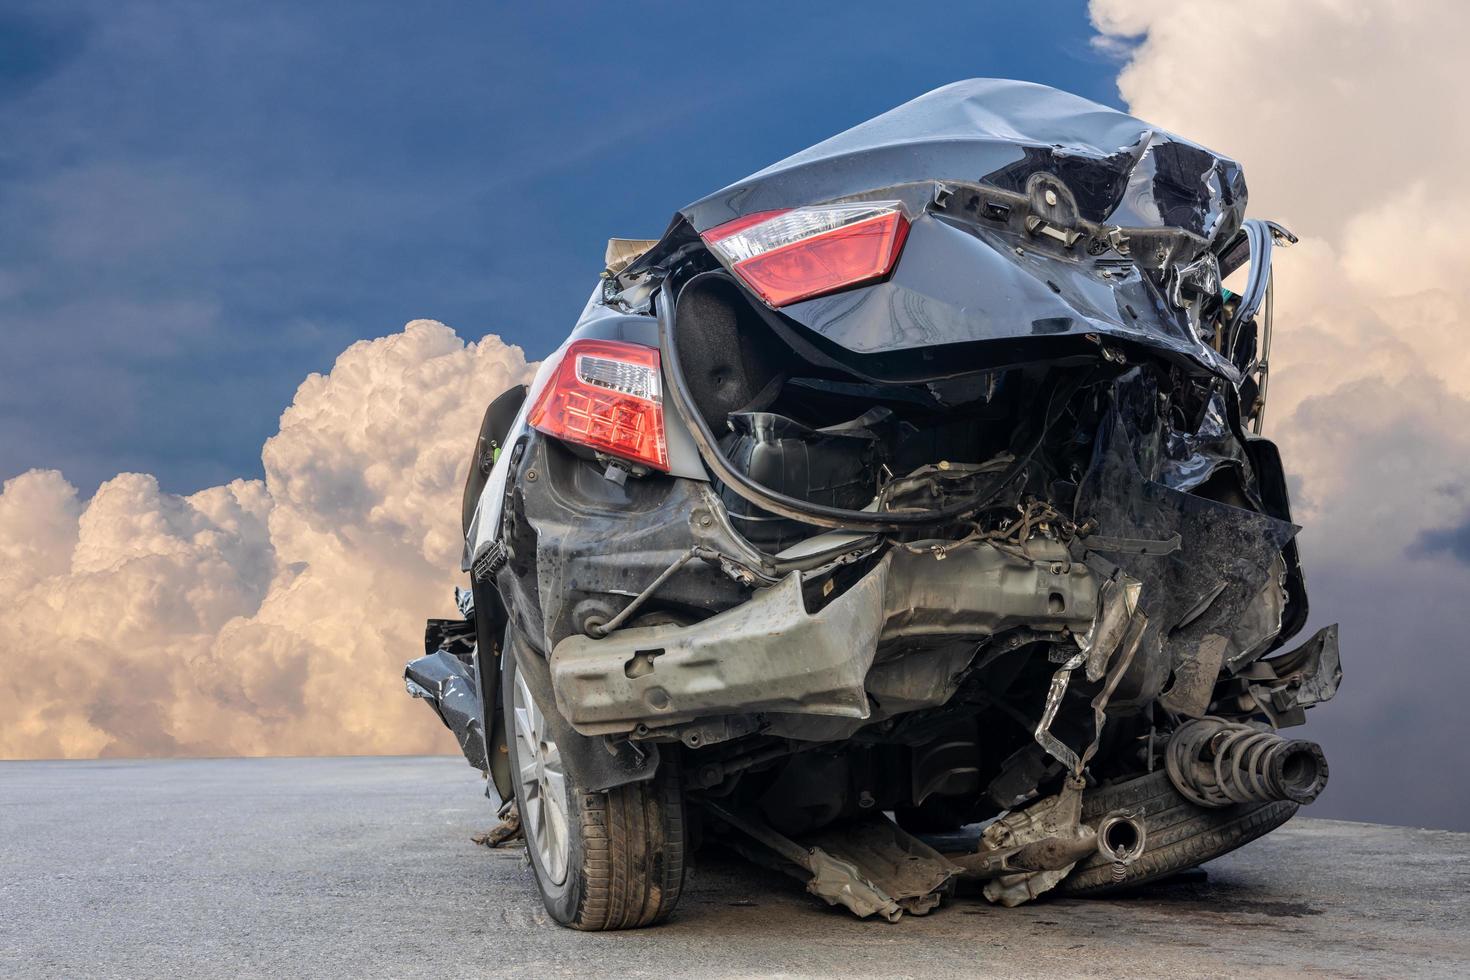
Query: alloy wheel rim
541, 785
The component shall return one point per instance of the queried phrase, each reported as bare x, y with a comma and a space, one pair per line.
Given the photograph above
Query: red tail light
608, 395
789, 256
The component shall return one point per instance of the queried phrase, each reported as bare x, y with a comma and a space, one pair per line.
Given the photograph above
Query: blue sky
202, 203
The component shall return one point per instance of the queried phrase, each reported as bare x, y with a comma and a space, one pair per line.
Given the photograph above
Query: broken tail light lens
607, 395
789, 256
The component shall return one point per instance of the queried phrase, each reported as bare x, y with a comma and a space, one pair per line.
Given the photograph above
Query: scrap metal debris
508, 830
870, 866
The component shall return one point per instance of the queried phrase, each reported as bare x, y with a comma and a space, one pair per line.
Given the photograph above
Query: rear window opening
816, 433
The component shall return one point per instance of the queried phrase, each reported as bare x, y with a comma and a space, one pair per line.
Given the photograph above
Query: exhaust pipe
1217, 763
1119, 838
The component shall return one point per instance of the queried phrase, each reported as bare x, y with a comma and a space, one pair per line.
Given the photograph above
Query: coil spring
1216, 763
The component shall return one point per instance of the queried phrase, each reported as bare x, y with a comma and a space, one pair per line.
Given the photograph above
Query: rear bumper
771, 654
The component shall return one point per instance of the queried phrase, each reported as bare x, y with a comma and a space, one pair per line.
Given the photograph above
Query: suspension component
1119, 838
1217, 763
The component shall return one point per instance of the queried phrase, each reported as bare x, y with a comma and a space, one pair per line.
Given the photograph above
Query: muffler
1217, 763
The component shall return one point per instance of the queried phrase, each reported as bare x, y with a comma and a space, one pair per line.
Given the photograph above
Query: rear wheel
608, 860
1180, 834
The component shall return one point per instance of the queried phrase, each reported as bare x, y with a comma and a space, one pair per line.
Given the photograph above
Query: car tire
622, 862
1179, 834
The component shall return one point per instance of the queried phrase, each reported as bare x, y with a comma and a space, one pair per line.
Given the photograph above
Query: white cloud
1347, 118
38, 529
259, 617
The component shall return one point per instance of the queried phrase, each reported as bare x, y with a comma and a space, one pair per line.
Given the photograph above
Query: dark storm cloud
1453, 541
202, 203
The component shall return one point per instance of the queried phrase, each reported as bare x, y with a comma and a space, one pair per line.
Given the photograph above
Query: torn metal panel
1058, 816
668, 674
1127, 649
739, 658
508, 830
1190, 458
1195, 674
869, 866
1270, 474
1260, 623
1118, 598
448, 684
1122, 646
1306, 676
1310, 674
1054, 746
911, 873
1193, 596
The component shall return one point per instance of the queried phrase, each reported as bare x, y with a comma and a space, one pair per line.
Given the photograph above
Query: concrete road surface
364, 867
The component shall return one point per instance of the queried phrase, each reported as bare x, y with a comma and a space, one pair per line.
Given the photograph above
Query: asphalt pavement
364, 867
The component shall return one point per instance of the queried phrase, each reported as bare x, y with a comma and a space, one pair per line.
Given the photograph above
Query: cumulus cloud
258, 617
1345, 116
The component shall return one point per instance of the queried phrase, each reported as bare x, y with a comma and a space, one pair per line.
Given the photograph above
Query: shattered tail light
788, 256
607, 394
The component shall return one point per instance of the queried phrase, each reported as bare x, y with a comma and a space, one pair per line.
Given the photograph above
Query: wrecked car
912, 483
